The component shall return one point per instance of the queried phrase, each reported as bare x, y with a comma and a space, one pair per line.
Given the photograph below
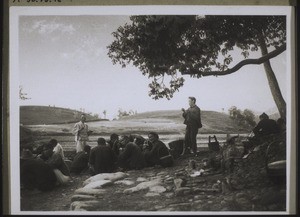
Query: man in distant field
192, 120
80, 131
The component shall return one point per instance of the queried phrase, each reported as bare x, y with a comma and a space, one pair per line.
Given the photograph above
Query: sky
63, 62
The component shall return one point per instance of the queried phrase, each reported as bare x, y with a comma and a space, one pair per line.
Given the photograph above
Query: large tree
172, 46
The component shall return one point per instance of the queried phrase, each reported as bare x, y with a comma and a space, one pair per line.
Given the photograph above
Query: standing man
81, 134
192, 120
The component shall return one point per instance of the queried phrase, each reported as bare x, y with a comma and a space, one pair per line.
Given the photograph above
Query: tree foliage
244, 118
194, 45
172, 46
122, 113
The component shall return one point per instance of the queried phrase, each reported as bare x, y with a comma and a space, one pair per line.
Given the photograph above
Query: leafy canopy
196, 45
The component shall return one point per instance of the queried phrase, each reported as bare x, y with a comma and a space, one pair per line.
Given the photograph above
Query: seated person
131, 157
35, 173
157, 151
55, 161
57, 148
114, 143
137, 139
81, 160
102, 158
265, 126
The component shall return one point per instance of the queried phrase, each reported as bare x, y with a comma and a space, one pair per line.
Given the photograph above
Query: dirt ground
59, 199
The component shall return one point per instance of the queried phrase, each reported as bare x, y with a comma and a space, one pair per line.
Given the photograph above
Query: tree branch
258, 61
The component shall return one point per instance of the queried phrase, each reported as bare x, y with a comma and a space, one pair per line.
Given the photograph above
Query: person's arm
257, 128
184, 112
76, 128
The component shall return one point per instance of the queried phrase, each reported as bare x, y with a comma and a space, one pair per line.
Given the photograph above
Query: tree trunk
275, 90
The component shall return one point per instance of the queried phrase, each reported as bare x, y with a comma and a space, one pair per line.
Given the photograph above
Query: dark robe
80, 162
132, 157
36, 174
102, 159
157, 151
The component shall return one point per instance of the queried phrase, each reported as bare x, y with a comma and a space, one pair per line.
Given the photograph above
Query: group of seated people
128, 153
46, 168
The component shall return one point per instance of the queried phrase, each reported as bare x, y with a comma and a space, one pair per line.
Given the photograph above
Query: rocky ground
178, 188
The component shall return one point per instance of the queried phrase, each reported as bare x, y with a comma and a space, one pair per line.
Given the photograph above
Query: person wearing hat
265, 126
35, 173
102, 158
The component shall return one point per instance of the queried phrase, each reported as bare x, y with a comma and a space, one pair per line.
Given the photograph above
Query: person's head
83, 118
87, 149
152, 136
124, 140
48, 150
263, 116
192, 101
114, 137
53, 142
101, 141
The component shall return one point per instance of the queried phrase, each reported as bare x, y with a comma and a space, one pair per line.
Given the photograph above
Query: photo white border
14, 117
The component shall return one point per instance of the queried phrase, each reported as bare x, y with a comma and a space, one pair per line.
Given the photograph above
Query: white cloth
80, 131
59, 150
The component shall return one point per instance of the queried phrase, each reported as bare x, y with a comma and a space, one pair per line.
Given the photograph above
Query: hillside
37, 115
211, 120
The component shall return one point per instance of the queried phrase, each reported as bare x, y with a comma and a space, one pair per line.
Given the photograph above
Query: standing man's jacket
192, 117
80, 131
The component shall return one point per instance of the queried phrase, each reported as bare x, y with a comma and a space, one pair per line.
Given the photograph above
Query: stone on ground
78, 205
106, 176
80, 197
125, 182
157, 189
152, 194
90, 191
143, 185
141, 179
98, 184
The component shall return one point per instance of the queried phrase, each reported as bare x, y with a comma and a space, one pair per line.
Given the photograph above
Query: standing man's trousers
190, 139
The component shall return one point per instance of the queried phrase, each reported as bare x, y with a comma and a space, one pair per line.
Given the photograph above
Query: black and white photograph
150, 109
